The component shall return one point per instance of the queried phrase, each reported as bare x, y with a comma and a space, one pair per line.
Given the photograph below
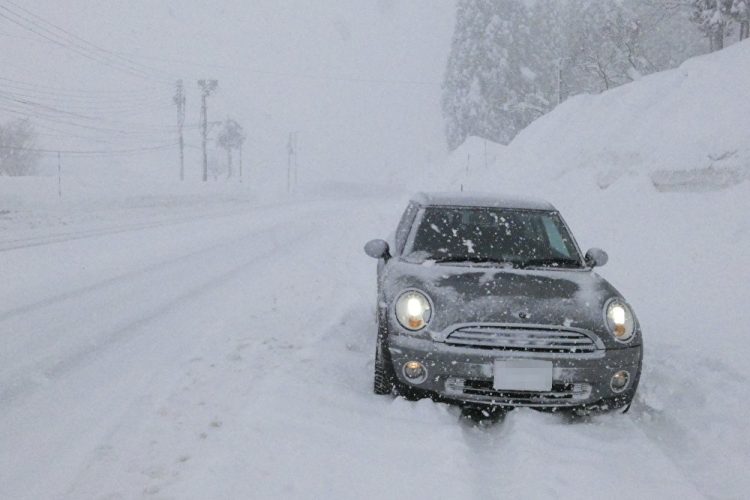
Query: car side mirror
596, 257
378, 249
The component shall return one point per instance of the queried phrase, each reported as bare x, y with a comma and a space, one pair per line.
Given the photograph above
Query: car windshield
521, 238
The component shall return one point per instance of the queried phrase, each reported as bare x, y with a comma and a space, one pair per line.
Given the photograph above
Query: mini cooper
487, 301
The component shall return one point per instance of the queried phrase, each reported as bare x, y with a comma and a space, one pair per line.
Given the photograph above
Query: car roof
464, 199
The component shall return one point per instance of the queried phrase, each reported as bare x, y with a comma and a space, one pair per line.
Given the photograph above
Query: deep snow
177, 342
688, 119
231, 357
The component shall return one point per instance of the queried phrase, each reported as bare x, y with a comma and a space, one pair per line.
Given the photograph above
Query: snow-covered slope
692, 118
679, 256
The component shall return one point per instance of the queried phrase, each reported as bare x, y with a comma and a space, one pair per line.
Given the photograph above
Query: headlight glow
414, 307
620, 320
413, 310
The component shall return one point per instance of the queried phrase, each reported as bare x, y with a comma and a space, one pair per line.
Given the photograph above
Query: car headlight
620, 320
413, 310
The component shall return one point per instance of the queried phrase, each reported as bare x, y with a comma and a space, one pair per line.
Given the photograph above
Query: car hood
480, 294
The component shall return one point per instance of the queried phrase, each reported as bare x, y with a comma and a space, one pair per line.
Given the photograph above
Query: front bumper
465, 374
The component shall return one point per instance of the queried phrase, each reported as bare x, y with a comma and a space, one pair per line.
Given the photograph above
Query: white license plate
523, 375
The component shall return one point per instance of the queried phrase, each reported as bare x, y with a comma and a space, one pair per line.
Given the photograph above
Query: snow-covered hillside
685, 128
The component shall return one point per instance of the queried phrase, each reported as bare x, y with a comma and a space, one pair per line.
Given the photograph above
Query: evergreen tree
490, 88
512, 61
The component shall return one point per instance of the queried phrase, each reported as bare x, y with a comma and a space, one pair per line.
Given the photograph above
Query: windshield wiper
550, 262
472, 259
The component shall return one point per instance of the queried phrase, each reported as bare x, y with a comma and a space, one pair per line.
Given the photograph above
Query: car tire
384, 377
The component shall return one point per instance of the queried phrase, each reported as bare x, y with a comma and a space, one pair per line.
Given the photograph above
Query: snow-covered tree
740, 13
490, 89
512, 61
713, 17
604, 45
18, 155
667, 35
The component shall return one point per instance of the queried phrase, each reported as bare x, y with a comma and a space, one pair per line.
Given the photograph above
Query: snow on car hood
463, 293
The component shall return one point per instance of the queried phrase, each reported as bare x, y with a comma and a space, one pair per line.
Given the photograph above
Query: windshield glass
517, 237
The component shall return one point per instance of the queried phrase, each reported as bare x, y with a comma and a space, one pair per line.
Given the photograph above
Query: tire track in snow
196, 399
174, 302
35, 241
553, 456
98, 286
120, 413
21, 379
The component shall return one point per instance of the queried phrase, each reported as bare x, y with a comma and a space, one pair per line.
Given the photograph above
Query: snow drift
682, 128
606, 161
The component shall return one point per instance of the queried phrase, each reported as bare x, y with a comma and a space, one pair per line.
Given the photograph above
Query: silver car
488, 301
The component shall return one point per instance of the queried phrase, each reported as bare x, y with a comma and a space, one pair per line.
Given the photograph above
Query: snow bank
681, 127
88, 202
653, 173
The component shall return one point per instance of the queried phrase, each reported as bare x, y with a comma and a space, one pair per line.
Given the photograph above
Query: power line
78, 45
69, 40
81, 102
70, 92
101, 152
287, 75
63, 106
36, 115
88, 43
57, 133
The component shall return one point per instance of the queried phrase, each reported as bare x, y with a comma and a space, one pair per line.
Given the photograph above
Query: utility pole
230, 167
179, 100
290, 152
296, 156
59, 175
291, 162
240, 160
207, 87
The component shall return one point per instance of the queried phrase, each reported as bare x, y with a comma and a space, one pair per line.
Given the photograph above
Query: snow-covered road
230, 356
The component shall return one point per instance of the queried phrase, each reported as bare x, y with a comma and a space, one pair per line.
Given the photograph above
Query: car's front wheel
384, 376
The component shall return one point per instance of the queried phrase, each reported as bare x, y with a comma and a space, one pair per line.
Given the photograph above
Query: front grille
518, 338
562, 394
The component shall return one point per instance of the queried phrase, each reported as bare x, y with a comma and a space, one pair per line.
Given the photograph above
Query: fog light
619, 381
415, 372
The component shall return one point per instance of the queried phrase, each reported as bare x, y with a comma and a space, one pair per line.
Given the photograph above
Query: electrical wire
93, 153
52, 33
86, 42
82, 93
135, 130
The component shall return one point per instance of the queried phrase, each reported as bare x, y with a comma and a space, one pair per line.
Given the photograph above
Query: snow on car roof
462, 199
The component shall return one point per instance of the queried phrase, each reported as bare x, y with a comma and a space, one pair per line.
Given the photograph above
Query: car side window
404, 227
555, 237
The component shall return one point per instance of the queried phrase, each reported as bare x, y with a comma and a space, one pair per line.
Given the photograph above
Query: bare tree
18, 155
741, 14
713, 18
